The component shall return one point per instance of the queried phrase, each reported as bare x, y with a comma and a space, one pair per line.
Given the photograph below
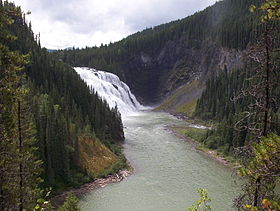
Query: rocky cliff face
158, 61
154, 77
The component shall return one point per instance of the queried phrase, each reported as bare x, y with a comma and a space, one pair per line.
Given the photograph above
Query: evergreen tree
18, 164
70, 204
27, 167
251, 96
62, 105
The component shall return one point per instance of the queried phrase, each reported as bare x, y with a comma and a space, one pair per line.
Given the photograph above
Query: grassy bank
197, 136
95, 161
99, 166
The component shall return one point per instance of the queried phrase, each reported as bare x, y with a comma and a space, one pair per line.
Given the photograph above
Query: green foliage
246, 103
120, 164
70, 204
174, 101
266, 159
220, 102
262, 171
45, 106
196, 134
270, 8
42, 204
188, 108
19, 165
203, 203
216, 103
63, 108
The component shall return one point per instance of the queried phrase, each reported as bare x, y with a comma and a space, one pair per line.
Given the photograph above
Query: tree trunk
267, 85
20, 159
256, 195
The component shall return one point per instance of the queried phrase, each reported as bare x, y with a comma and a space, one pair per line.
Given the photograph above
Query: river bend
168, 172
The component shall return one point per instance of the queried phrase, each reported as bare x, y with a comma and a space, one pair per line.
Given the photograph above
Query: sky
81, 23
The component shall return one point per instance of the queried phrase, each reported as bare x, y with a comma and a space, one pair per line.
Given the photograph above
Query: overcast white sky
80, 23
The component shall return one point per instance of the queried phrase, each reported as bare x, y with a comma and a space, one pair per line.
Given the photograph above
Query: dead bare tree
263, 79
260, 89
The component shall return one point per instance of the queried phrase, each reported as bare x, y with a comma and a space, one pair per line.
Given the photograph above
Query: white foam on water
110, 88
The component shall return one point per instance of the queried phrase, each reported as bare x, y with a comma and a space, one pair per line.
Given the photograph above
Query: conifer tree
10, 65
266, 75
28, 167
18, 165
70, 204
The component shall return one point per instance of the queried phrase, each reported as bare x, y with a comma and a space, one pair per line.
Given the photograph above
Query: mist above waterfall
110, 88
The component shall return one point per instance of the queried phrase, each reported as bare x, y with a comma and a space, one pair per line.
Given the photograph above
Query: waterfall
110, 88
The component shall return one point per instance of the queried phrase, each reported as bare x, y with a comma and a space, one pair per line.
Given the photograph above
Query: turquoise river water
168, 172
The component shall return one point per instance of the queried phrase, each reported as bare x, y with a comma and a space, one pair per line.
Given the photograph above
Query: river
168, 172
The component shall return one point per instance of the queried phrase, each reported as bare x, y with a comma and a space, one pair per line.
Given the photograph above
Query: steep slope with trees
246, 104
19, 166
159, 60
47, 114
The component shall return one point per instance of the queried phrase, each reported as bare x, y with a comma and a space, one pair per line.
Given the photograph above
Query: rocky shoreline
88, 187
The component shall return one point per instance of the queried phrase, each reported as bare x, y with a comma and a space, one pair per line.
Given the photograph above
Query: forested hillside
244, 105
223, 102
230, 53
57, 132
245, 101
158, 60
51, 123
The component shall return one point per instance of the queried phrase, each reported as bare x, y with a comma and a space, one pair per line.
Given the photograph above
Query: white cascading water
110, 88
